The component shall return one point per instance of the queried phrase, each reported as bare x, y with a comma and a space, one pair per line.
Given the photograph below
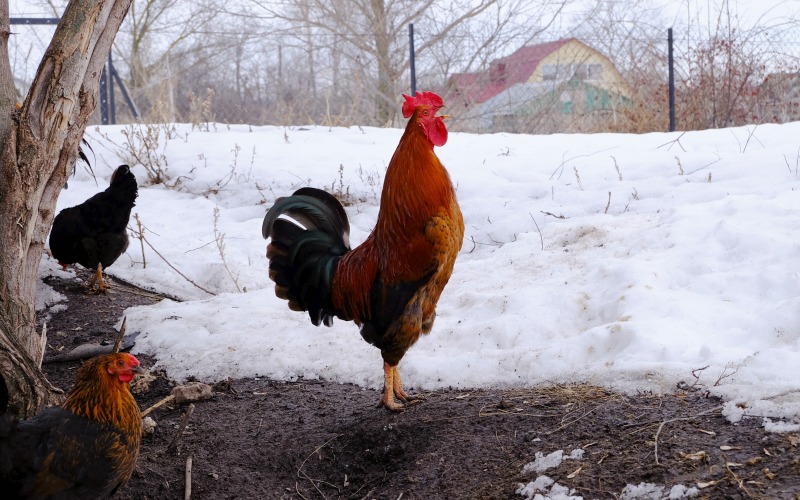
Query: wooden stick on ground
182, 427
187, 495
158, 405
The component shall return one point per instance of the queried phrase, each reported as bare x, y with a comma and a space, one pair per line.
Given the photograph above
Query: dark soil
268, 439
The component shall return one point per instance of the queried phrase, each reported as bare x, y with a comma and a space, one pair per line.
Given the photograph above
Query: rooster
87, 447
390, 284
94, 234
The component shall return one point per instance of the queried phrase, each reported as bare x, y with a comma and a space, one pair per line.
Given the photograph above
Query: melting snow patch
541, 462
544, 488
773, 413
680, 491
779, 426
48, 299
650, 491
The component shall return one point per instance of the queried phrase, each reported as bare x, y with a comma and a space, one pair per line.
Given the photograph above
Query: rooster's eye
425, 112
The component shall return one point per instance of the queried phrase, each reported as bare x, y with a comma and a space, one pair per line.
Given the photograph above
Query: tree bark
38, 143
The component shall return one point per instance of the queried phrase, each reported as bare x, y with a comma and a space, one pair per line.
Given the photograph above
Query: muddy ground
264, 439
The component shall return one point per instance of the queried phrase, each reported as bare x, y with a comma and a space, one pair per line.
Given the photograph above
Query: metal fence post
411, 55
104, 96
671, 83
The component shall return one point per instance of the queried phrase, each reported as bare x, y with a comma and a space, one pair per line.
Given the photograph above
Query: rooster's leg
388, 399
399, 392
393, 390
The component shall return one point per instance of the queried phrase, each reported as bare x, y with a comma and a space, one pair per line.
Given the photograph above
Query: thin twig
678, 419
120, 334
619, 174
541, 238
608, 204
302, 474
174, 268
705, 166
565, 425
182, 427
140, 235
676, 141
219, 238
739, 481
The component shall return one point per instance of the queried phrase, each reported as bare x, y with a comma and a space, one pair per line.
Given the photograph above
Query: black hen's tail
306, 246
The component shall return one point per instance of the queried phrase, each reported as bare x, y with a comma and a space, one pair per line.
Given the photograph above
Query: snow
544, 462
650, 491
634, 262
546, 488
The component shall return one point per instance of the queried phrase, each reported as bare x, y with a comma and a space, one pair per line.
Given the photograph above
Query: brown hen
86, 448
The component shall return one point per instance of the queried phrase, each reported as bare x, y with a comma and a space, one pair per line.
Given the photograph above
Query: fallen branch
191, 391
86, 351
158, 405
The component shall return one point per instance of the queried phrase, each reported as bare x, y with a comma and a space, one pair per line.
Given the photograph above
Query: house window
589, 71
550, 72
567, 71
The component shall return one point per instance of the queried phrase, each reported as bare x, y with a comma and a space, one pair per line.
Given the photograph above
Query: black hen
93, 234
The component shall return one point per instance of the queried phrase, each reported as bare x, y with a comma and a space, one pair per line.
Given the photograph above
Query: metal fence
737, 78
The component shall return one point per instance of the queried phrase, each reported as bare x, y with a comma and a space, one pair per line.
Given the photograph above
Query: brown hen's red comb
420, 99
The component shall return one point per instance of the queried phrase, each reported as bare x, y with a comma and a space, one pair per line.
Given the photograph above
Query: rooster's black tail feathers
309, 233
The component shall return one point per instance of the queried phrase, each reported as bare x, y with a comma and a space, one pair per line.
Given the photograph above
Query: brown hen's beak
137, 369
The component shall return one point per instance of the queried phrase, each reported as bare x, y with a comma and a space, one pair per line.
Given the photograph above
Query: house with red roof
553, 83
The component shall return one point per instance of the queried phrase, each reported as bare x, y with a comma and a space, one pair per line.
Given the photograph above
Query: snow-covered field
635, 262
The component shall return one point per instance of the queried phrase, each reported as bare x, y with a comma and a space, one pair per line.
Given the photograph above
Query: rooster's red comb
420, 99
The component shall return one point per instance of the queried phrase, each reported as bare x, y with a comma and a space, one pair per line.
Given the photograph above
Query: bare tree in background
633, 35
38, 143
156, 33
723, 71
376, 32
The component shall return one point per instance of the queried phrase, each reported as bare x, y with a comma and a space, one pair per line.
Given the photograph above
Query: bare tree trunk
385, 92
37, 145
